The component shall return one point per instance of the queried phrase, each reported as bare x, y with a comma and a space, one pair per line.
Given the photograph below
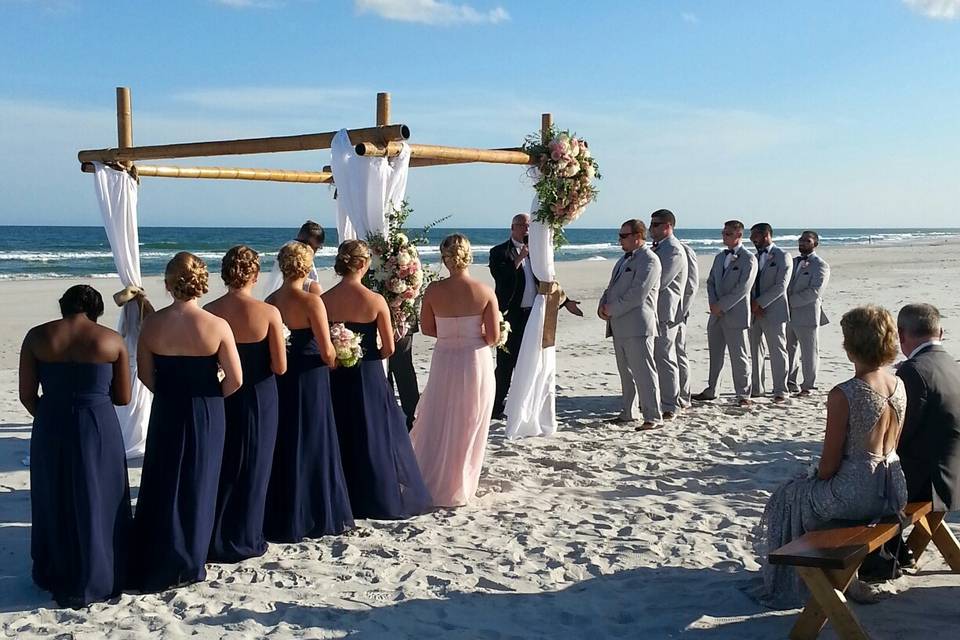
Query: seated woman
381, 468
450, 432
859, 475
251, 413
79, 496
181, 351
307, 496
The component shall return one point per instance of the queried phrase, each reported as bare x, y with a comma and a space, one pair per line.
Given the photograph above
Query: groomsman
689, 293
728, 290
770, 312
516, 289
805, 295
673, 281
629, 306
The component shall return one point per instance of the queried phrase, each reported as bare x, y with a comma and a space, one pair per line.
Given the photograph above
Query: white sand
597, 532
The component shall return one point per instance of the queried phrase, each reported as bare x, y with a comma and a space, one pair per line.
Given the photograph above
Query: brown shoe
779, 399
648, 426
669, 415
745, 402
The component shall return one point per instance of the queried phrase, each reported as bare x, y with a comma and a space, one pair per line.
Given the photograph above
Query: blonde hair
239, 266
295, 259
455, 251
186, 276
352, 255
870, 335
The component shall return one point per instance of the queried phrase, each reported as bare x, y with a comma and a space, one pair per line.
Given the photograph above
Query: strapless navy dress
381, 468
307, 497
79, 496
181, 470
251, 431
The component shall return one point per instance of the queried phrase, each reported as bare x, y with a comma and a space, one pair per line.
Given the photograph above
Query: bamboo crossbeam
228, 173
305, 142
453, 154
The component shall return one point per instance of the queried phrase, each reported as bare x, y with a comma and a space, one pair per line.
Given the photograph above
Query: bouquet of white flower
347, 345
504, 334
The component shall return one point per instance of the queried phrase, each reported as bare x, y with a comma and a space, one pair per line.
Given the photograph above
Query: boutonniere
734, 257
804, 264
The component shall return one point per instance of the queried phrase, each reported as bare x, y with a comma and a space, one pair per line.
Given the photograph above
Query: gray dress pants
638, 376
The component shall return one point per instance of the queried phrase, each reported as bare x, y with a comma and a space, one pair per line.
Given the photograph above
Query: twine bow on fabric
553, 293
133, 293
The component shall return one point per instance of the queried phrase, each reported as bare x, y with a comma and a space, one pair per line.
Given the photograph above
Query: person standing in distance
689, 293
805, 295
673, 282
312, 235
770, 312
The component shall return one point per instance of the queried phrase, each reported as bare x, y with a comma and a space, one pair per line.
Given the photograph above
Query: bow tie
729, 251
762, 251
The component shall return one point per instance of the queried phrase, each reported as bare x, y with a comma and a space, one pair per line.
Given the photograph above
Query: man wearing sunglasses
629, 306
728, 290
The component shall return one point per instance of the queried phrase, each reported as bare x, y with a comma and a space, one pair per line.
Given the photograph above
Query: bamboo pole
383, 109
455, 154
378, 135
228, 173
546, 121
124, 120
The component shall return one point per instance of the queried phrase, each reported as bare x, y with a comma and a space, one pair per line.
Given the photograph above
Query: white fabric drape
531, 404
365, 187
117, 196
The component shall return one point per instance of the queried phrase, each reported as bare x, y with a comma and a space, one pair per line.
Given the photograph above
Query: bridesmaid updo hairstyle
81, 298
870, 335
240, 265
352, 256
455, 251
186, 276
295, 260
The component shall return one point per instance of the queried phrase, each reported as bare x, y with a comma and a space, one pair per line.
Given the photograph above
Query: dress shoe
756, 394
620, 420
804, 393
745, 402
703, 396
669, 415
779, 399
648, 426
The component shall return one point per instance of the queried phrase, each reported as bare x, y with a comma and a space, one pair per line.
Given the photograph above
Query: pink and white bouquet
347, 345
564, 174
396, 272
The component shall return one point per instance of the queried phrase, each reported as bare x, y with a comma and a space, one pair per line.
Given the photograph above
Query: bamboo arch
383, 139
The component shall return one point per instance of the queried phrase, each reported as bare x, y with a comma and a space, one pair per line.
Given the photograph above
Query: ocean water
70, 252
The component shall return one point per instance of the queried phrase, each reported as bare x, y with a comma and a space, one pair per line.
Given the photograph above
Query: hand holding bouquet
504, 334
347, 345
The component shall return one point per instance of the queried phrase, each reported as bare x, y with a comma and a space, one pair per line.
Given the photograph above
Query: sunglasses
623, 236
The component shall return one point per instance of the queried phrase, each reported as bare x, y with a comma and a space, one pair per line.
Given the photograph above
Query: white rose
591, 171
402, 239
403, 259
572, 169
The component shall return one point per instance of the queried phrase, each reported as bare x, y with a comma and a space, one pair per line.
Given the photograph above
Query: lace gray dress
867, 486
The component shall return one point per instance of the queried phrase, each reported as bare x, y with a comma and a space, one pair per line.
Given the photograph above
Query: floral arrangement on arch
396, 271
564, 174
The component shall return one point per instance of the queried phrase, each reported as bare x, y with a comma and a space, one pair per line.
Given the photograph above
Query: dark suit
509, 284
929, 447
402, 374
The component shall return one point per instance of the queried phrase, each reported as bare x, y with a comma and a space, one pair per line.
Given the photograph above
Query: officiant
516, 289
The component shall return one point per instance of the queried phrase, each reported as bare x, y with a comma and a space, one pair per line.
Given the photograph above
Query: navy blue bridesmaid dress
251, 431
173, 522
307, 497
80, 499
381, 468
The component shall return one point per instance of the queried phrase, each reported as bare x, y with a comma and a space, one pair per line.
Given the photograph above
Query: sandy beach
597, 532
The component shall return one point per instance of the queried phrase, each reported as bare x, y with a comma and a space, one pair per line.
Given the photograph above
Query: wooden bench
828, 560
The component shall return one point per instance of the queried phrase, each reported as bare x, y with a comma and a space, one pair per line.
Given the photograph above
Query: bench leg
827, 601
947, 544
922, 533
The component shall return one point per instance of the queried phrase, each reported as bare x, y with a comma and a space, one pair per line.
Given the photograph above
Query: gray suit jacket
805, 292
770, 288
633, 296
730, 288
673, 281
693, 281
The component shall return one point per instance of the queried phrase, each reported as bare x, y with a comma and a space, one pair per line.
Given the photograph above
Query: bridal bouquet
504, 334
564, 176
396, 272
347, 345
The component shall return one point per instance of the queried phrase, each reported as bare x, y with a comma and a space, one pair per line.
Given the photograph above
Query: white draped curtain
117, 196
531, 404
365, 187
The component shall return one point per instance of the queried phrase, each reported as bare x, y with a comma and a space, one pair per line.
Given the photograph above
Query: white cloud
432, 12
936, 9
690, 18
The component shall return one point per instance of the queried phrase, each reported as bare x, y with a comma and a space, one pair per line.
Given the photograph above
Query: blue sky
802, 112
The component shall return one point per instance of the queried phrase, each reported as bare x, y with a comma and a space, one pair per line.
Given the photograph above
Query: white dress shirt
530, 286
928, 343
729, 257
765, 256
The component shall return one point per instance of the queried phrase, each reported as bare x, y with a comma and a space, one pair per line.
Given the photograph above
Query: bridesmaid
453, 417
178, 355
251, 413
308, 493
79, 496
379, 462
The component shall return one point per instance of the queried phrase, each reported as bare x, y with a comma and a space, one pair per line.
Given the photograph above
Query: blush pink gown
450, 431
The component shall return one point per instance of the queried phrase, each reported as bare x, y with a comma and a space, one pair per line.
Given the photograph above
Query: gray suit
673, 281
689, 292
729, 287
770, 293
632, 297
805, 295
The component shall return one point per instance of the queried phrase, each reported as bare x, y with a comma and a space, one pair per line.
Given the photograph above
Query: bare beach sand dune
598, 532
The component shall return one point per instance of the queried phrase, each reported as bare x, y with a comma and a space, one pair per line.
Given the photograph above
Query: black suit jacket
929, 446
509, 282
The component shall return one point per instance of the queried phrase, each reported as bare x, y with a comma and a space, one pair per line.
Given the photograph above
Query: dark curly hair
81, 298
